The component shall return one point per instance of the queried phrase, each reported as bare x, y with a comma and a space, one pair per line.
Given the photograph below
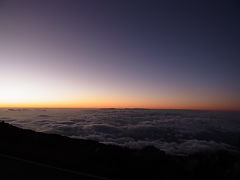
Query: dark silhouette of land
29, 154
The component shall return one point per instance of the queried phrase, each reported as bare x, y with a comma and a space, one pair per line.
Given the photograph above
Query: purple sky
166, 54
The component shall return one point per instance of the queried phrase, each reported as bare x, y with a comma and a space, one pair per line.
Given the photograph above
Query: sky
142, 54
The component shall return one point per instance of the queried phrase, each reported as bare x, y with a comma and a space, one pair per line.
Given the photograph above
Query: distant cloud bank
173, 131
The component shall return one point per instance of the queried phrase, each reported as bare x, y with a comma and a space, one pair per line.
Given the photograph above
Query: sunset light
120, 90
50, 61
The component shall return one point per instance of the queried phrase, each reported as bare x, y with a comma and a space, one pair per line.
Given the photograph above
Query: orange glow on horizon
117, 104
31, 95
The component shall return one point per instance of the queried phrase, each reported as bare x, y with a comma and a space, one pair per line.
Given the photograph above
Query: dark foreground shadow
29, 154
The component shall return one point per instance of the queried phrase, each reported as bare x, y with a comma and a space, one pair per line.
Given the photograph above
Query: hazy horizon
186, 109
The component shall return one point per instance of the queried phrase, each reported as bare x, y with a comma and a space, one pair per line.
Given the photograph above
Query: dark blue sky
173, 54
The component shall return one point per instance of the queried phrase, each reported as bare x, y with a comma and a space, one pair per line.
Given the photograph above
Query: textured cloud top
174, 131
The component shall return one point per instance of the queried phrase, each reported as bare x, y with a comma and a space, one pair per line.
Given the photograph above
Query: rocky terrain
25, 153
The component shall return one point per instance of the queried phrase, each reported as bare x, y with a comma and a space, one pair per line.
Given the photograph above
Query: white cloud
174, 131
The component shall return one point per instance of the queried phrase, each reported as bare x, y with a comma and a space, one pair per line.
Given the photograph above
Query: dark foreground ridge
29, 154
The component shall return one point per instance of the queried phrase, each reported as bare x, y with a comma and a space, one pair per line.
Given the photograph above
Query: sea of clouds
173, 131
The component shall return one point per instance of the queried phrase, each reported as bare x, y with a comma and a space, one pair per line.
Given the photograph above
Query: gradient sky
92, 53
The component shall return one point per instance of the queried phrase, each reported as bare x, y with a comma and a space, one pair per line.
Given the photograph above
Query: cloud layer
174, 131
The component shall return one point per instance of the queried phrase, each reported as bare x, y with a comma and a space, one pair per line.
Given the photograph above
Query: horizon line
190, 109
